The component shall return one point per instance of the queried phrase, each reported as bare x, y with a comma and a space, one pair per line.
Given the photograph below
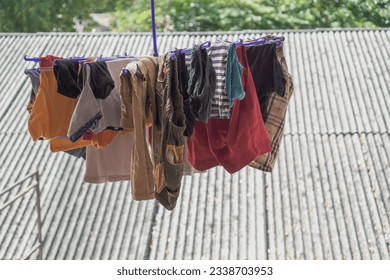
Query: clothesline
151, 120
278, 40
250, 41
198, 110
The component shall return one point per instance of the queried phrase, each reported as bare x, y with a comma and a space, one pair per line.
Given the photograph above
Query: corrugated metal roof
328, 197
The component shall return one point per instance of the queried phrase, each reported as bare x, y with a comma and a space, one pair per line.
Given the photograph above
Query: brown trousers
168, 129
137, 93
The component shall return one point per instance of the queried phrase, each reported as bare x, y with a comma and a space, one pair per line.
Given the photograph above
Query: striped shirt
220, 104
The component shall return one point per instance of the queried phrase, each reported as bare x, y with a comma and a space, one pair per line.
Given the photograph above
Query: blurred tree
43, 15
134, 15
217, 15
342, 13
201, 15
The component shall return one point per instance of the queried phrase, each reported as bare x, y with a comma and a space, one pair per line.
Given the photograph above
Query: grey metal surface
328, 197
37, 248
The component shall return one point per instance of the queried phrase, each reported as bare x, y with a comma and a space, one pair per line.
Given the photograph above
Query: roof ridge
197, 32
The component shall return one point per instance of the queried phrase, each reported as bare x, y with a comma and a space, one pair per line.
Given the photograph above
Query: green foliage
135, 15
344, 13
230, 15
42, 15
201, 15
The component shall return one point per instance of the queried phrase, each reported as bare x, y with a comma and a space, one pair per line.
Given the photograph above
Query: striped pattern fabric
277, 108
188, 60
220, 104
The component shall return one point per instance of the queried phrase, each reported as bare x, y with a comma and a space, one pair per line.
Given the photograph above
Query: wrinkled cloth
168, 138
267, 74
102, 139
202, 83
183, 77
51, 113
86, 114
98, 114
137, 93
33, 74
55, 144
276, 110
48, 60
234, 89
66, 73
111, 106
220, 104
235, 142
111, 164
100, 80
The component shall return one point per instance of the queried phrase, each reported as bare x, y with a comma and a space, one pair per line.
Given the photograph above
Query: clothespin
35, 59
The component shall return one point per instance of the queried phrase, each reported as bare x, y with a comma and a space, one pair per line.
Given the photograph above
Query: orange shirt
52, 112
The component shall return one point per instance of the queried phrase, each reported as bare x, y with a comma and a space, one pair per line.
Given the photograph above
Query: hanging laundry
101, 81
87, 113
56, 143
183, 78
102, 139
276, 112
267, 74
62, 145
51, 112
111, 164
33, 74
188, 169
235, 142
220, 103
94, 113
48, 60
202, 83
111, 105
138, 94
70, 83
110, 157
234, 70
168, 130
151, 120
67, 76
108, 126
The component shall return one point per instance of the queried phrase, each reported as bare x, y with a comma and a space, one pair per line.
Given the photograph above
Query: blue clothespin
206, 45
35, 59
239, 42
